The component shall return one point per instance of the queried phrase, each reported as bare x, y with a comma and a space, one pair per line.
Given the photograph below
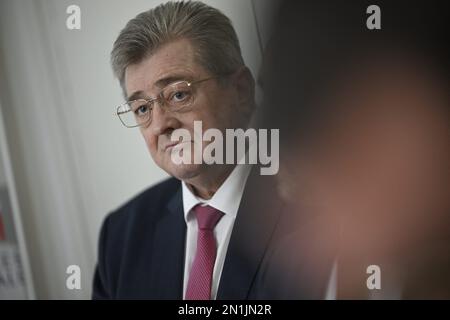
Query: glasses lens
135, 113
178, 95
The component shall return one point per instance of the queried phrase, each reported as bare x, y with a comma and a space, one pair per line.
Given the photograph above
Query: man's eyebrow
160, 83
136, 95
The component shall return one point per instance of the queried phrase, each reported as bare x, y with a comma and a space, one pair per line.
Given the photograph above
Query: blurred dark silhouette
364, 127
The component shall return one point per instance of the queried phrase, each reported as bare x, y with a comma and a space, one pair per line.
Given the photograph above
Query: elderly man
198, 235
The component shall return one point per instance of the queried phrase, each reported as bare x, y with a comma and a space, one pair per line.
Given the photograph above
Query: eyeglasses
174, 97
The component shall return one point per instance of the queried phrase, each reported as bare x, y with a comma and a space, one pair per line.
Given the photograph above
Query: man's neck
206, 186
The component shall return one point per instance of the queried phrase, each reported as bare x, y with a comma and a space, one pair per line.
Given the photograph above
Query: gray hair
210, 31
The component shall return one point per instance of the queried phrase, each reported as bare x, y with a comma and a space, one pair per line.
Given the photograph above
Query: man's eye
142, 110
179, 96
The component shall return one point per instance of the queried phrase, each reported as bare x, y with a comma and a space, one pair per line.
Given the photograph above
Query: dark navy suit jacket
142, 244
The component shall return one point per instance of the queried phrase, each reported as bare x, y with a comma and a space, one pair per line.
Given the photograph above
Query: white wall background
72, 160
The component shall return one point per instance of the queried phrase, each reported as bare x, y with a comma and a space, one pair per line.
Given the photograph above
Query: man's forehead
171, 61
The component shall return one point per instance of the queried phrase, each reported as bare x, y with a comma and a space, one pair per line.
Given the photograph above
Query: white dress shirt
226, 199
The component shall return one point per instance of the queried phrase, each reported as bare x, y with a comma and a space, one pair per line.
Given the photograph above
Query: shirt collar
226, 199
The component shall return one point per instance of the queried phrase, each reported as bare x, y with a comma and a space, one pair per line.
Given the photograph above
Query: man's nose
163, 121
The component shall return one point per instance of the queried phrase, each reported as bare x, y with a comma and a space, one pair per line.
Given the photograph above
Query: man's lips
172, 144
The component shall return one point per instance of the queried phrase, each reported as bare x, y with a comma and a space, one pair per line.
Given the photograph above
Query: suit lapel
168, 257
255, 222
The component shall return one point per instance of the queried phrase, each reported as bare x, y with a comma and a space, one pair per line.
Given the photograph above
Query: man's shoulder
148, 204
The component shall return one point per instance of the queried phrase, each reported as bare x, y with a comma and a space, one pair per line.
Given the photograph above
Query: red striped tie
200, 278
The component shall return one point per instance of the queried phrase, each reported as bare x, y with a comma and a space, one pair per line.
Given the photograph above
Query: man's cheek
152, 145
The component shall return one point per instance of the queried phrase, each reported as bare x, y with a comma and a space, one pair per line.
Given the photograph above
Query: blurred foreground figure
364, 118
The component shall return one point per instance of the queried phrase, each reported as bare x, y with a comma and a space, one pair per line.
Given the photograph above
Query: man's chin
184, 172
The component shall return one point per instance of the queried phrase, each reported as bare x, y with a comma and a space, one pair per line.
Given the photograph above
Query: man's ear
245, 87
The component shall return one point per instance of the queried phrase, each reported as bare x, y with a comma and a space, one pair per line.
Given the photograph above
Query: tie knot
207, 217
